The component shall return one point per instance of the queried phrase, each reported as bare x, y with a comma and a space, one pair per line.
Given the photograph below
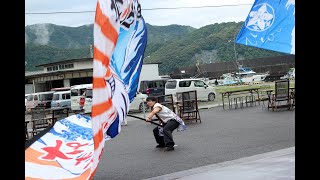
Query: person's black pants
166, 139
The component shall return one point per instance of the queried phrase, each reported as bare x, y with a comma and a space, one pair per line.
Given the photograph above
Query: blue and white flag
270, 25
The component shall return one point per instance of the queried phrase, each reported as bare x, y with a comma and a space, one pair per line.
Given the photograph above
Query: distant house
275, 65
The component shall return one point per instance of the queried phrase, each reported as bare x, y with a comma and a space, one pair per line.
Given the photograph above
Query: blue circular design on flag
260, 18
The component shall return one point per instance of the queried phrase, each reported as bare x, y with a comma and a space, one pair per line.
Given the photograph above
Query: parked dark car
153, 87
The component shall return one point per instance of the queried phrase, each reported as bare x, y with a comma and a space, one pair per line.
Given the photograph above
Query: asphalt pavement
247, 143
276, 165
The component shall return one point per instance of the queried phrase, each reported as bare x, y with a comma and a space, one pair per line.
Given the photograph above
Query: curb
204, 169
210, 106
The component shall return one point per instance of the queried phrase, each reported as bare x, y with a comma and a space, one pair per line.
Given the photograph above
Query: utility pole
91, 51
234, 48
34, 87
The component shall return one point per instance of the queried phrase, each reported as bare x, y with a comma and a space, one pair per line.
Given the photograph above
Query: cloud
42, 34
192, 17
196, 17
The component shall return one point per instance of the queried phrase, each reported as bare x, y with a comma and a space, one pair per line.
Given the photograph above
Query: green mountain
59, 36
173, 45
159, 36
212, 43
42, 54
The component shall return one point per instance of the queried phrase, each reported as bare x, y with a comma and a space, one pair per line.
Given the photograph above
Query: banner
64, 152
72, 148
270, 25
120, 39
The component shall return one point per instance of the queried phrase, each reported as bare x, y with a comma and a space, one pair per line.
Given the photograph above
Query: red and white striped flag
72, 148
115, 20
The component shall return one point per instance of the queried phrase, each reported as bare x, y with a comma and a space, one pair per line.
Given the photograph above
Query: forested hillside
172, 45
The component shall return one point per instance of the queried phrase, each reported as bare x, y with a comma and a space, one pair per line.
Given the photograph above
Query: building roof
65, 61
32, 73
42, 73
77, 60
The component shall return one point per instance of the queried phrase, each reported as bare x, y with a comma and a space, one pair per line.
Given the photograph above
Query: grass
262, 86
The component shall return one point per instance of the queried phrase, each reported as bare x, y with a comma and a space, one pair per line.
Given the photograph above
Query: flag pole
144, 120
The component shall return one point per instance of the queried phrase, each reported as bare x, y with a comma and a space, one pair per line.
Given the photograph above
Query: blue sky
192, 17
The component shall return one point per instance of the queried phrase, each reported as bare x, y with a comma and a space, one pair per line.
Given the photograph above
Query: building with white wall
72, 72
149, 72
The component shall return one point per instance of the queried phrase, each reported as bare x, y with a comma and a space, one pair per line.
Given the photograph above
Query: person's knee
166, 129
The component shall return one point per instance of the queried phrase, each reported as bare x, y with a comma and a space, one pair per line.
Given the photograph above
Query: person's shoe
169, 148
160, 146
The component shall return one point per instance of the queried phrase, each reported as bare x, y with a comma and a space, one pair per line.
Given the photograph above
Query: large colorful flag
120, 39
71, 149
270, 25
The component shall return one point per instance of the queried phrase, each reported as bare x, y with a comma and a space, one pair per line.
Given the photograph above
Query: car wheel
141, 107
211, 97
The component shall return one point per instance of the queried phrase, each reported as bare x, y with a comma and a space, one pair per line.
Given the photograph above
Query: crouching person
168, 119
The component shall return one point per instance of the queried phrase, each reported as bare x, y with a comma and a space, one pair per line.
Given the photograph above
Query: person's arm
152, 113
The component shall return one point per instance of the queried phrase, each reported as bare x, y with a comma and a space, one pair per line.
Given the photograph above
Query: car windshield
150, 84
171, 84
159, 84
45, 97
30, 98
74, 92
89, 93
55, 97
82, 90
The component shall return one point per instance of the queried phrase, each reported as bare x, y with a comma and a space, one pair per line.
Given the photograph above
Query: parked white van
76, 92
204, 91
86, 100
25, 101
32, 101
61, 99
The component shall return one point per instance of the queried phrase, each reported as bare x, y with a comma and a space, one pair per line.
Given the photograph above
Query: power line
196, 7
147, 9
62, 12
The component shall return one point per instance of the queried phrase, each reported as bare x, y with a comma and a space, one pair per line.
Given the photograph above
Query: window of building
60, 67
66, 66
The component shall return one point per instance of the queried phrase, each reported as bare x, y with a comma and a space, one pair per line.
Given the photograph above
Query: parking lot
223, 135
